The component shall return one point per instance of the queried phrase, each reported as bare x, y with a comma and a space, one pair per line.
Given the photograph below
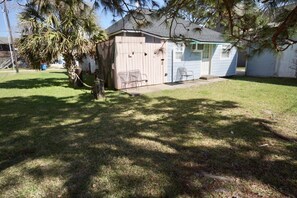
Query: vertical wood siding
133, 53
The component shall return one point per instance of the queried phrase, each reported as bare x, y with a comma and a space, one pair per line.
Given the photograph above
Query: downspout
210, 58
172, 66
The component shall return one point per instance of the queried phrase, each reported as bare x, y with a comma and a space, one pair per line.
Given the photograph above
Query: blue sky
104, 18
13, 16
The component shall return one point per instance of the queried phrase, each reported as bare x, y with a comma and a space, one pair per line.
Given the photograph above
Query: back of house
138, 55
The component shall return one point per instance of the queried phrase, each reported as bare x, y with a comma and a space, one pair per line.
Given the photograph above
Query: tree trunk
98, 89
70, 66
79, 75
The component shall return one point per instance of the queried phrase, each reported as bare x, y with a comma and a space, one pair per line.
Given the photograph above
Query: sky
105, 19
12, 15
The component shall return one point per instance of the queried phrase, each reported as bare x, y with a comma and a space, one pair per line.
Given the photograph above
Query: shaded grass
55, 140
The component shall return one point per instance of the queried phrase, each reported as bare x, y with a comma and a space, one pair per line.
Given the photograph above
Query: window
204, 48
200, 47
205, 54
179, 51
225, 51
197, 47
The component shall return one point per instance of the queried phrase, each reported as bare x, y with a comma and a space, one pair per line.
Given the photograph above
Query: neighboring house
136, 56
59, 63
273, 64
88, 64
4, 52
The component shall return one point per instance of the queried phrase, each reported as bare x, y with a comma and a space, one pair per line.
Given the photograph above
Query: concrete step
208, 77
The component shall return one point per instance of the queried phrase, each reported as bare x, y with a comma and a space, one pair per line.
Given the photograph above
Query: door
205, 66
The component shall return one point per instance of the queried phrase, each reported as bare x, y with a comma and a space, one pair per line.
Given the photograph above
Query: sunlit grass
197, 142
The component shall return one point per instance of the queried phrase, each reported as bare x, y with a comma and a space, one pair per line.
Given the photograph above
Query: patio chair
124, 77
136, 77
183, 72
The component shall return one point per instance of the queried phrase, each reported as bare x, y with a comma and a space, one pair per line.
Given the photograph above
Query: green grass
58, 141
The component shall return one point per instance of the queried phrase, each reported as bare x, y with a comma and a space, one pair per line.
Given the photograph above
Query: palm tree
56, 27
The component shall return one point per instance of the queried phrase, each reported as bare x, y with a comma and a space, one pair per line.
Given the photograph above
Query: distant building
4, 49
273, 64
88, 64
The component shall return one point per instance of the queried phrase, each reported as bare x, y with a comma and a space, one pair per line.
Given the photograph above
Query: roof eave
165, 38
208, 42
136, 31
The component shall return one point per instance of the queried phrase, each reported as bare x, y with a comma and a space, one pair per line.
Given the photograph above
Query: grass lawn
208, 141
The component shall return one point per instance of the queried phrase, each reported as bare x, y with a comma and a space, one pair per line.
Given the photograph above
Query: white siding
262, 64
191, 61
223, 66
286, 65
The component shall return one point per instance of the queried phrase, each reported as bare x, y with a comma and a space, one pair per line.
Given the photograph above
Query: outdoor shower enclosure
132, 61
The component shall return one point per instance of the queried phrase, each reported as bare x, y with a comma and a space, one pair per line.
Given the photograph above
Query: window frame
196, 49
179, 48
204, 52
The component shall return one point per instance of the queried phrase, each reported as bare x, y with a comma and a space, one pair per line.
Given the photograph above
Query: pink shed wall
130, 56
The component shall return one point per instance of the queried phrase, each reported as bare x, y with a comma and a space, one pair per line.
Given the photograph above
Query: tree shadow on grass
138, 147
58, 72
33, 83
267, 80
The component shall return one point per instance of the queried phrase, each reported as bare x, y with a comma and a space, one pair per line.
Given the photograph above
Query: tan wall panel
130, 56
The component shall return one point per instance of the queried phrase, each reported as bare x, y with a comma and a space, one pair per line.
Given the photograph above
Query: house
273, 64
88, 64
148, 55
270, 63
5, 56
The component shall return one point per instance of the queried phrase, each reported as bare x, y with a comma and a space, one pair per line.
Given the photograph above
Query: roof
3, 40
158, 27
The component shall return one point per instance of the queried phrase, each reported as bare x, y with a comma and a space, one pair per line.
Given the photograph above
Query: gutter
137, 31
204, 42
194, 41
